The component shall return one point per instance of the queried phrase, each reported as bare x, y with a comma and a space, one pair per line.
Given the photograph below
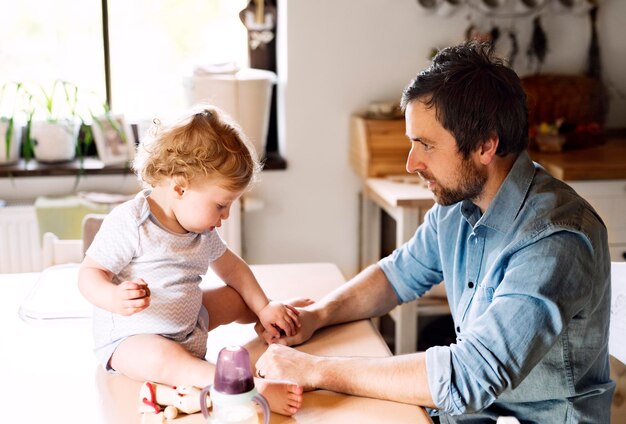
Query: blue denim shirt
528, 283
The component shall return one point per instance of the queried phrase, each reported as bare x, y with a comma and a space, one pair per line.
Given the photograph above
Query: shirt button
470, 285
458, 329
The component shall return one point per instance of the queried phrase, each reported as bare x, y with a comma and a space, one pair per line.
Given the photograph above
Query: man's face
434, 156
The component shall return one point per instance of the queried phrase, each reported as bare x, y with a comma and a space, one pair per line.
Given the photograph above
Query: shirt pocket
485, 292
480, 301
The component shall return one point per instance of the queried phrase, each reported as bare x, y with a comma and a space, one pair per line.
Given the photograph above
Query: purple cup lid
233, 374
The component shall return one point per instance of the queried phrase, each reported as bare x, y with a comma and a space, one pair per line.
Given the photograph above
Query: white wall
336, 57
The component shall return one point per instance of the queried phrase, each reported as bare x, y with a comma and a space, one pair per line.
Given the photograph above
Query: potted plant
65, 123
56, 123
12, 96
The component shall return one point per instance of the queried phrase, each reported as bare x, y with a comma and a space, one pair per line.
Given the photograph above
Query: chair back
57, 251
91, 225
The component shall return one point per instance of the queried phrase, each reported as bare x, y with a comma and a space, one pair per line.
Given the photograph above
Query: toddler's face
204, 205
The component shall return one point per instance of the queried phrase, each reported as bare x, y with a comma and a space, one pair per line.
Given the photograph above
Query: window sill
93, 166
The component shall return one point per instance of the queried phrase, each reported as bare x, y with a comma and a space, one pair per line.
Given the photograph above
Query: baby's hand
131, 297
277, 318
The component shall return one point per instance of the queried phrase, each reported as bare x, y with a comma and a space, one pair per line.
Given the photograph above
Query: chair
55, 296
57, 251
617, 334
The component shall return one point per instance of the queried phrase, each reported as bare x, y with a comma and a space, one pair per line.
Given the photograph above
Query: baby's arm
126, 298
274, 316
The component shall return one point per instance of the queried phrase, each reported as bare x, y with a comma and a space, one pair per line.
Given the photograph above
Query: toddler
142, 271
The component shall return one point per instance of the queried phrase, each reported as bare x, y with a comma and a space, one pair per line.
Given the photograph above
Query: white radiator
20, 246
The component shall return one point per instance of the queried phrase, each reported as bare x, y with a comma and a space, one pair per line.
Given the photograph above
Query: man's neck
497, 171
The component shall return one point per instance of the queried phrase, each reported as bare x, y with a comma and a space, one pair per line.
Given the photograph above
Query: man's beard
470, 183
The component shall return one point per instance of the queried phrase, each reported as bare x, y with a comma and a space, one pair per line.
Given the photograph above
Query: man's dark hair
475, 95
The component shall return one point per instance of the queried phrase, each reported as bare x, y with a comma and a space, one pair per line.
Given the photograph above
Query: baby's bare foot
283, 397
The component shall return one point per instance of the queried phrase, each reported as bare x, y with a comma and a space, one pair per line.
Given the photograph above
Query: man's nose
414, 161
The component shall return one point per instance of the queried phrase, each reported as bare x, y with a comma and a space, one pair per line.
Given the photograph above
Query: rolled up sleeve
415, 267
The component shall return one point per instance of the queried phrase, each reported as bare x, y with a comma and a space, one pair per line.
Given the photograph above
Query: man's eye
425, 146
220, 207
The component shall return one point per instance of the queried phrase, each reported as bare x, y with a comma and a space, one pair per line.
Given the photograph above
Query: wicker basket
577, 99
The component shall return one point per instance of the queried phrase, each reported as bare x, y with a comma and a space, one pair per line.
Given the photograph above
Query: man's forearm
367, 295
399, 378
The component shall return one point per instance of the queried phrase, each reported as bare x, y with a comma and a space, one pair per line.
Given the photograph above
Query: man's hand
284, 363
308, 326
131, 297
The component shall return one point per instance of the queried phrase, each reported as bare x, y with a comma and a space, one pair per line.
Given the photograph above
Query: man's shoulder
554, 203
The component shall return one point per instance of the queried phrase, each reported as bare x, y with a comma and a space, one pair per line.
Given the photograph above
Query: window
45, 41
153, 45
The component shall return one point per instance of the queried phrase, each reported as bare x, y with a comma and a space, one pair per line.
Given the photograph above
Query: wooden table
406, 200
50, 375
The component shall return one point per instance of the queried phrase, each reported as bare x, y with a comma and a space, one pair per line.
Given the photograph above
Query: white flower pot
14, 149
54, 141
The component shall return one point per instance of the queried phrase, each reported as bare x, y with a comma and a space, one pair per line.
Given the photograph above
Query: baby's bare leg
225, 305
149, 357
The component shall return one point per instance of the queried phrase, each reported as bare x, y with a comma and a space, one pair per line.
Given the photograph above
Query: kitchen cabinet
608, 198
599, 175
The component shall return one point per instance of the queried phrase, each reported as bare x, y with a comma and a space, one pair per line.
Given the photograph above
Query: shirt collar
508, 200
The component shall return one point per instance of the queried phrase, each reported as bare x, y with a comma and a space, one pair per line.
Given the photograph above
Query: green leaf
8, 137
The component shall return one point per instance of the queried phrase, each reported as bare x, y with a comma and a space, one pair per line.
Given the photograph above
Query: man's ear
488, 148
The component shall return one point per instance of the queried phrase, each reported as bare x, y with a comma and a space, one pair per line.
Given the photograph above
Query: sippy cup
233, 393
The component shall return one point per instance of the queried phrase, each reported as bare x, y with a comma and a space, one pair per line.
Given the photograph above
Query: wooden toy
157, 398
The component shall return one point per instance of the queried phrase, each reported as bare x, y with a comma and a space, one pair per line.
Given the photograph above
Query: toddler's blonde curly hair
204, 144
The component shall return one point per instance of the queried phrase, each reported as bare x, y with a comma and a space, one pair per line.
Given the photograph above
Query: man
525, 262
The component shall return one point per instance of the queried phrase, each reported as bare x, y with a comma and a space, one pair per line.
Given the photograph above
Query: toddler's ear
179, 186
179, 183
